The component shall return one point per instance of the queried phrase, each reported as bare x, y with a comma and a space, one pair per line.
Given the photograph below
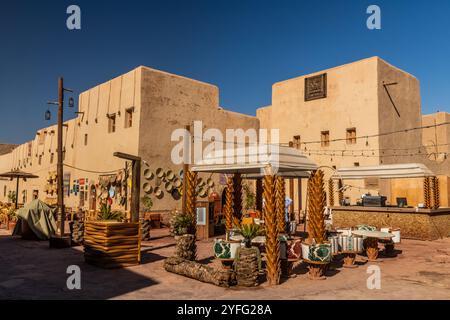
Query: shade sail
254, 162
406, 170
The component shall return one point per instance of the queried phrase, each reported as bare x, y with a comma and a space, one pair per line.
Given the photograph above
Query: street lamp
60, 241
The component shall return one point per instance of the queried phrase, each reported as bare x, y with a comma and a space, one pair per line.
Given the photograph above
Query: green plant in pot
249, 232
184, 230
147, 203
248, 259
107, 214
12, 196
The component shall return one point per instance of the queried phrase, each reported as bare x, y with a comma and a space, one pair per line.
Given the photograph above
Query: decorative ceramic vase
226, 249
305, 250
320, 252
222, 249
334, 241
294, 249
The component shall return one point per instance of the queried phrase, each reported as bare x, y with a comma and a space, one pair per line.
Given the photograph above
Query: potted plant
110, 242
12, 218
107, 214
184, 231
248, 258
12, 196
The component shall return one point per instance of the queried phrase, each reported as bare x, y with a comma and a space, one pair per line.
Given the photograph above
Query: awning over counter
392, 171
255, 162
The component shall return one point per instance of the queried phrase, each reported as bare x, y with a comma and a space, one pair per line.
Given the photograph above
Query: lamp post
60, 164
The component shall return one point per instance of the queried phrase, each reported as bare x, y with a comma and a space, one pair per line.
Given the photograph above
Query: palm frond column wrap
426, 193
331, 191
191, 180
436, 193
316, 206
280, 204
237, 205
317, 231
228, 210
272, 241
186, 244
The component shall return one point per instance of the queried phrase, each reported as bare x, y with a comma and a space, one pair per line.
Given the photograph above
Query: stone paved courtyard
30, 270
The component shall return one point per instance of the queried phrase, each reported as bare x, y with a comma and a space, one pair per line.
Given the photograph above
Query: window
356, 164
112, 123
296, 142
41, 139
325, 138
129, 118
4, 191
85, 139
40, 159
351, 136
52, 157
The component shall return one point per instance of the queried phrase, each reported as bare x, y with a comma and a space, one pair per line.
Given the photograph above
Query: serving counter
421, 224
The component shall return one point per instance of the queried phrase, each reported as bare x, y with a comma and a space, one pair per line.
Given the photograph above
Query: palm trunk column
280, 204
228, 209
272, 240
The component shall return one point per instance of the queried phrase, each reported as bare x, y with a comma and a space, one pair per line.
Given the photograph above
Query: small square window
296, 142
129, 118
112, 123
356, 164
325, 138
351, 136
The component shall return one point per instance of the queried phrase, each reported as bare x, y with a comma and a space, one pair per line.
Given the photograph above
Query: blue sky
242, 46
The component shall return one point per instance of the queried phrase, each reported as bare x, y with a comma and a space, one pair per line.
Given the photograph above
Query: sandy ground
30, 270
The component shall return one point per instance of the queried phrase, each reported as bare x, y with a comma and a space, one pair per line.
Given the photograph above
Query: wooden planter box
110, 244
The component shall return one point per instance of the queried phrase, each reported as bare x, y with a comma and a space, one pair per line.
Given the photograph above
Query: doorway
93, 198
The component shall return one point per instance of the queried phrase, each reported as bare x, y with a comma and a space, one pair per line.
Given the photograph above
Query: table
371, 241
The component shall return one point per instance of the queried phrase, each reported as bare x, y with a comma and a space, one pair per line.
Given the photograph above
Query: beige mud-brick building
134, 113
360, 99
137, 112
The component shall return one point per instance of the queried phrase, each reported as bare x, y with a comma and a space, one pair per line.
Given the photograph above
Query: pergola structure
397, 171
269, 166
17, 174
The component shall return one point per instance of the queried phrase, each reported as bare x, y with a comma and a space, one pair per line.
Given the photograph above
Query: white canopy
406, 170
255, 162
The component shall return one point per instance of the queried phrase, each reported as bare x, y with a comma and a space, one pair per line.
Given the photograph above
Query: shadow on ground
31, 270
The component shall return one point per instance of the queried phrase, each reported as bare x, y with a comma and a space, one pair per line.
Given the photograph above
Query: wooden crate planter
109, 244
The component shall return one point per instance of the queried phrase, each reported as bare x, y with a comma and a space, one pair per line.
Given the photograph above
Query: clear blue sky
242, 46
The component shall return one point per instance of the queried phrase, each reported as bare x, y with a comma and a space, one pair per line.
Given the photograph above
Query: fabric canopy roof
407, 170
254, 162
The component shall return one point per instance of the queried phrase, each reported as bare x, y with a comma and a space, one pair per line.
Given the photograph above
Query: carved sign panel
316, 87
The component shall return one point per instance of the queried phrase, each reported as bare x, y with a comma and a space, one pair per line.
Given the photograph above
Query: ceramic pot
294, 249
334, 241
320, 252
225, 249
305, 250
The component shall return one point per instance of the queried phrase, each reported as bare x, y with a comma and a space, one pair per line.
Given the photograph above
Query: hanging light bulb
48, 115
